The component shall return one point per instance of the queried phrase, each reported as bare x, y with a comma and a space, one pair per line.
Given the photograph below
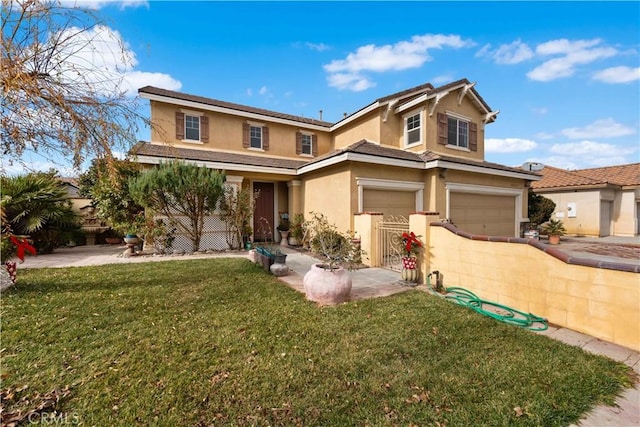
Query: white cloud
604, 128
620, 74
137, 79
320, 47
263, 90
508, 145
507, 54
249, 92
347, 73
101, 60
541, 111
544, 135
99, 4
589, 154
572, 54
350, 81
443, 78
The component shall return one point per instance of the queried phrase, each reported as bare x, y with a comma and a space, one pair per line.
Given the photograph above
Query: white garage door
483, 214
397, 203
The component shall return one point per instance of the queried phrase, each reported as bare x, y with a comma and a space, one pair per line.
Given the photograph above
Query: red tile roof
623, 175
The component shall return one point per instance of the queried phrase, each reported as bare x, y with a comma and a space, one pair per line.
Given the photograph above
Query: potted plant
296, 230
283, 228
554, 229
411, 246
329, 282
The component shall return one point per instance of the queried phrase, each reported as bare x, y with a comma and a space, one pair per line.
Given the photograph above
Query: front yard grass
220, 342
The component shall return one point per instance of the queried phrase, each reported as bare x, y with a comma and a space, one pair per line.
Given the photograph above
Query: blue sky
565, 76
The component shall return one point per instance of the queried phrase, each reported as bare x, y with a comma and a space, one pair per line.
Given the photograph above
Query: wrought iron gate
390, 231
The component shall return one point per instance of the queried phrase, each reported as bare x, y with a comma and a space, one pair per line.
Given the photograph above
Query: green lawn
220, 342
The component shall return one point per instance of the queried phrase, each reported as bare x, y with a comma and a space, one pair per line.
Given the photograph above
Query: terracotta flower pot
327, 287
554, 239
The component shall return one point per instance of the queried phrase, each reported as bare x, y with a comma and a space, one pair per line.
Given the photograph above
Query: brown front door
263, 214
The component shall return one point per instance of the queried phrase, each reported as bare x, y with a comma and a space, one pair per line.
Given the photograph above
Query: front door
263, 225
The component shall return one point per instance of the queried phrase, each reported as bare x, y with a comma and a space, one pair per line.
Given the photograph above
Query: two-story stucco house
421, 149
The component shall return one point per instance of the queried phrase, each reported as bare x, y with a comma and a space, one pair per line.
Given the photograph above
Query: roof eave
232, 111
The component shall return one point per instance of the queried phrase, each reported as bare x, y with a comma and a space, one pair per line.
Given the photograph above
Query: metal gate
390, 231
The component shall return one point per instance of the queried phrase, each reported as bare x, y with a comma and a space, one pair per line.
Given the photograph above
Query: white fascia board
478, 169
218, 165
362, 158
419, 100
355, 116
231, 111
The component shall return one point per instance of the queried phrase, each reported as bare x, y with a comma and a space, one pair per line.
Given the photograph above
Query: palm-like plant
37, 205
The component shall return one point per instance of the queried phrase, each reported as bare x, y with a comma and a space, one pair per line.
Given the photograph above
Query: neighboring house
421, 149
91, 224
594, 202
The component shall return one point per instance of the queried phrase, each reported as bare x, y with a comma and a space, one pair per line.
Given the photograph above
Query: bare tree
62, 86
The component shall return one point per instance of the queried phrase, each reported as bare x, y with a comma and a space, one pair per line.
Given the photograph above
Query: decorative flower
411, 245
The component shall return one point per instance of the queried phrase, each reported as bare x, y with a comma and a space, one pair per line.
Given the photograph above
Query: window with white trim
457, 132
255, 137
306, 144
192, 127
413, 129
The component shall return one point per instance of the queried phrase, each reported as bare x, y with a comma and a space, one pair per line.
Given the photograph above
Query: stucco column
419, 224
365, 226
295, 197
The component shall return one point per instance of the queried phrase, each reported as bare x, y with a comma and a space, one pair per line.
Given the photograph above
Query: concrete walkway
379, 282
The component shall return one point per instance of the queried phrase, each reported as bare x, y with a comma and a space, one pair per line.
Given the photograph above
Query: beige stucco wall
625, 215
466, 108
587, 219
599, 302
225, 133
326, 191
366, 127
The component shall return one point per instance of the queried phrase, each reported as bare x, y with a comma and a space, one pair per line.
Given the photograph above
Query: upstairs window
306, 144
192, 126
455, 131
255, 136
413, 129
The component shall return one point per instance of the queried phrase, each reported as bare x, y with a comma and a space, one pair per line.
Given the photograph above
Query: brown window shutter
265, 138
314, 145
204, 129
246, 134
298, 143
179, 125
473, 136
442, 128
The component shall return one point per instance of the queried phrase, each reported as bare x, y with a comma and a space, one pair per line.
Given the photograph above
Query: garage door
483, 214
397, 203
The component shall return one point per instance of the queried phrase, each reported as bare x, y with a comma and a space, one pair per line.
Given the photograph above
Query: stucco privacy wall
601, 302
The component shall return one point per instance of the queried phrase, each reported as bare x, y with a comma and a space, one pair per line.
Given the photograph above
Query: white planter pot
327, 287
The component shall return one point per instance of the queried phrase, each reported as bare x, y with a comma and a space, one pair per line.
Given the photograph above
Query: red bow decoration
410, 239
22, 245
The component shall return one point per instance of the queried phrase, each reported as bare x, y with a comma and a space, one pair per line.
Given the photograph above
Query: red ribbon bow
410, 239
22, 245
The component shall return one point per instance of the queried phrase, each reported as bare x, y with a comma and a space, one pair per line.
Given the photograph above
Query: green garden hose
502, 313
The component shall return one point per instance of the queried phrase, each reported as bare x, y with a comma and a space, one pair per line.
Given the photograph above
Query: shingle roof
217, 103
172, 152
623, 175
428, 156
365, 147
